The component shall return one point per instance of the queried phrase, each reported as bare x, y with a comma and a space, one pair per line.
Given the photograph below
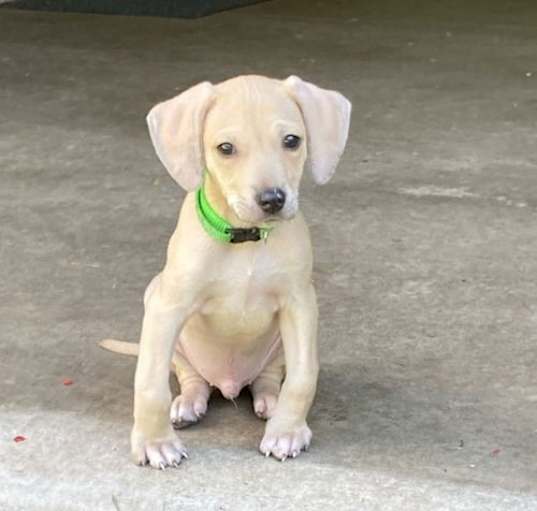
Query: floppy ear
176, 129
327, 116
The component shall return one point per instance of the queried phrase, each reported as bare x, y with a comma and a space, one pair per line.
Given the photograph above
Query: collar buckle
240, 235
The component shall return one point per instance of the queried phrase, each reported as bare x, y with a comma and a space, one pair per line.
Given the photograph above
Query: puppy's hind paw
264, 405
185, 411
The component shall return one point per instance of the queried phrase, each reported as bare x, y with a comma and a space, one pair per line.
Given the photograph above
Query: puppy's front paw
160, 453
187, 410
284, 442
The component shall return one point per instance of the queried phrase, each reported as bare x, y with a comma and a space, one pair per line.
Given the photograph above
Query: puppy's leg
153, 439
286, 433
266, 387
191, 404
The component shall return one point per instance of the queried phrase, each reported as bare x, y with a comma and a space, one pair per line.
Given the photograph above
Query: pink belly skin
226, 368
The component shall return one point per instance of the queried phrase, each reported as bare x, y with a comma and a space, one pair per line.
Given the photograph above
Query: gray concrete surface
425, 257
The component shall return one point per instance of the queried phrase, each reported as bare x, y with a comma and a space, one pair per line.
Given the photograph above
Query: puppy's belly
230, 350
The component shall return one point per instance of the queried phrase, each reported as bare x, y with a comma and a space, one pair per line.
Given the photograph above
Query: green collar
220, 229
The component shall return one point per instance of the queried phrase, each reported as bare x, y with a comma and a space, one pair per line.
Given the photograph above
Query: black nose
271, 200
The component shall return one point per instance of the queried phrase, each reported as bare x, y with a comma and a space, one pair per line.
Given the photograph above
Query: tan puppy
236, 314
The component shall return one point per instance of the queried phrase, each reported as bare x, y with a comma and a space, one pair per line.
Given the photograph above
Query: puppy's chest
243, 298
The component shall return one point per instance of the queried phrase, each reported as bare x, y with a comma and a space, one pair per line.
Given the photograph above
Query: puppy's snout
271, 200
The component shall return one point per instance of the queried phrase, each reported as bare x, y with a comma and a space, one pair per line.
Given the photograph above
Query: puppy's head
254, 135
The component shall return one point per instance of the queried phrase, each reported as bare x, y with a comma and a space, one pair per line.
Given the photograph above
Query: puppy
235, 304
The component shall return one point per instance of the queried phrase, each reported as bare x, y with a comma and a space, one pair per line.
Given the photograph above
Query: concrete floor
425, 248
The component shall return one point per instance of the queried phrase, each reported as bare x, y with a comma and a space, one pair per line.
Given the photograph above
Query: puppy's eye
291, 141
226, 148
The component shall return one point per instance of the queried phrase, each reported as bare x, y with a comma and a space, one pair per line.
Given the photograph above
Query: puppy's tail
123, 347
127, 348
